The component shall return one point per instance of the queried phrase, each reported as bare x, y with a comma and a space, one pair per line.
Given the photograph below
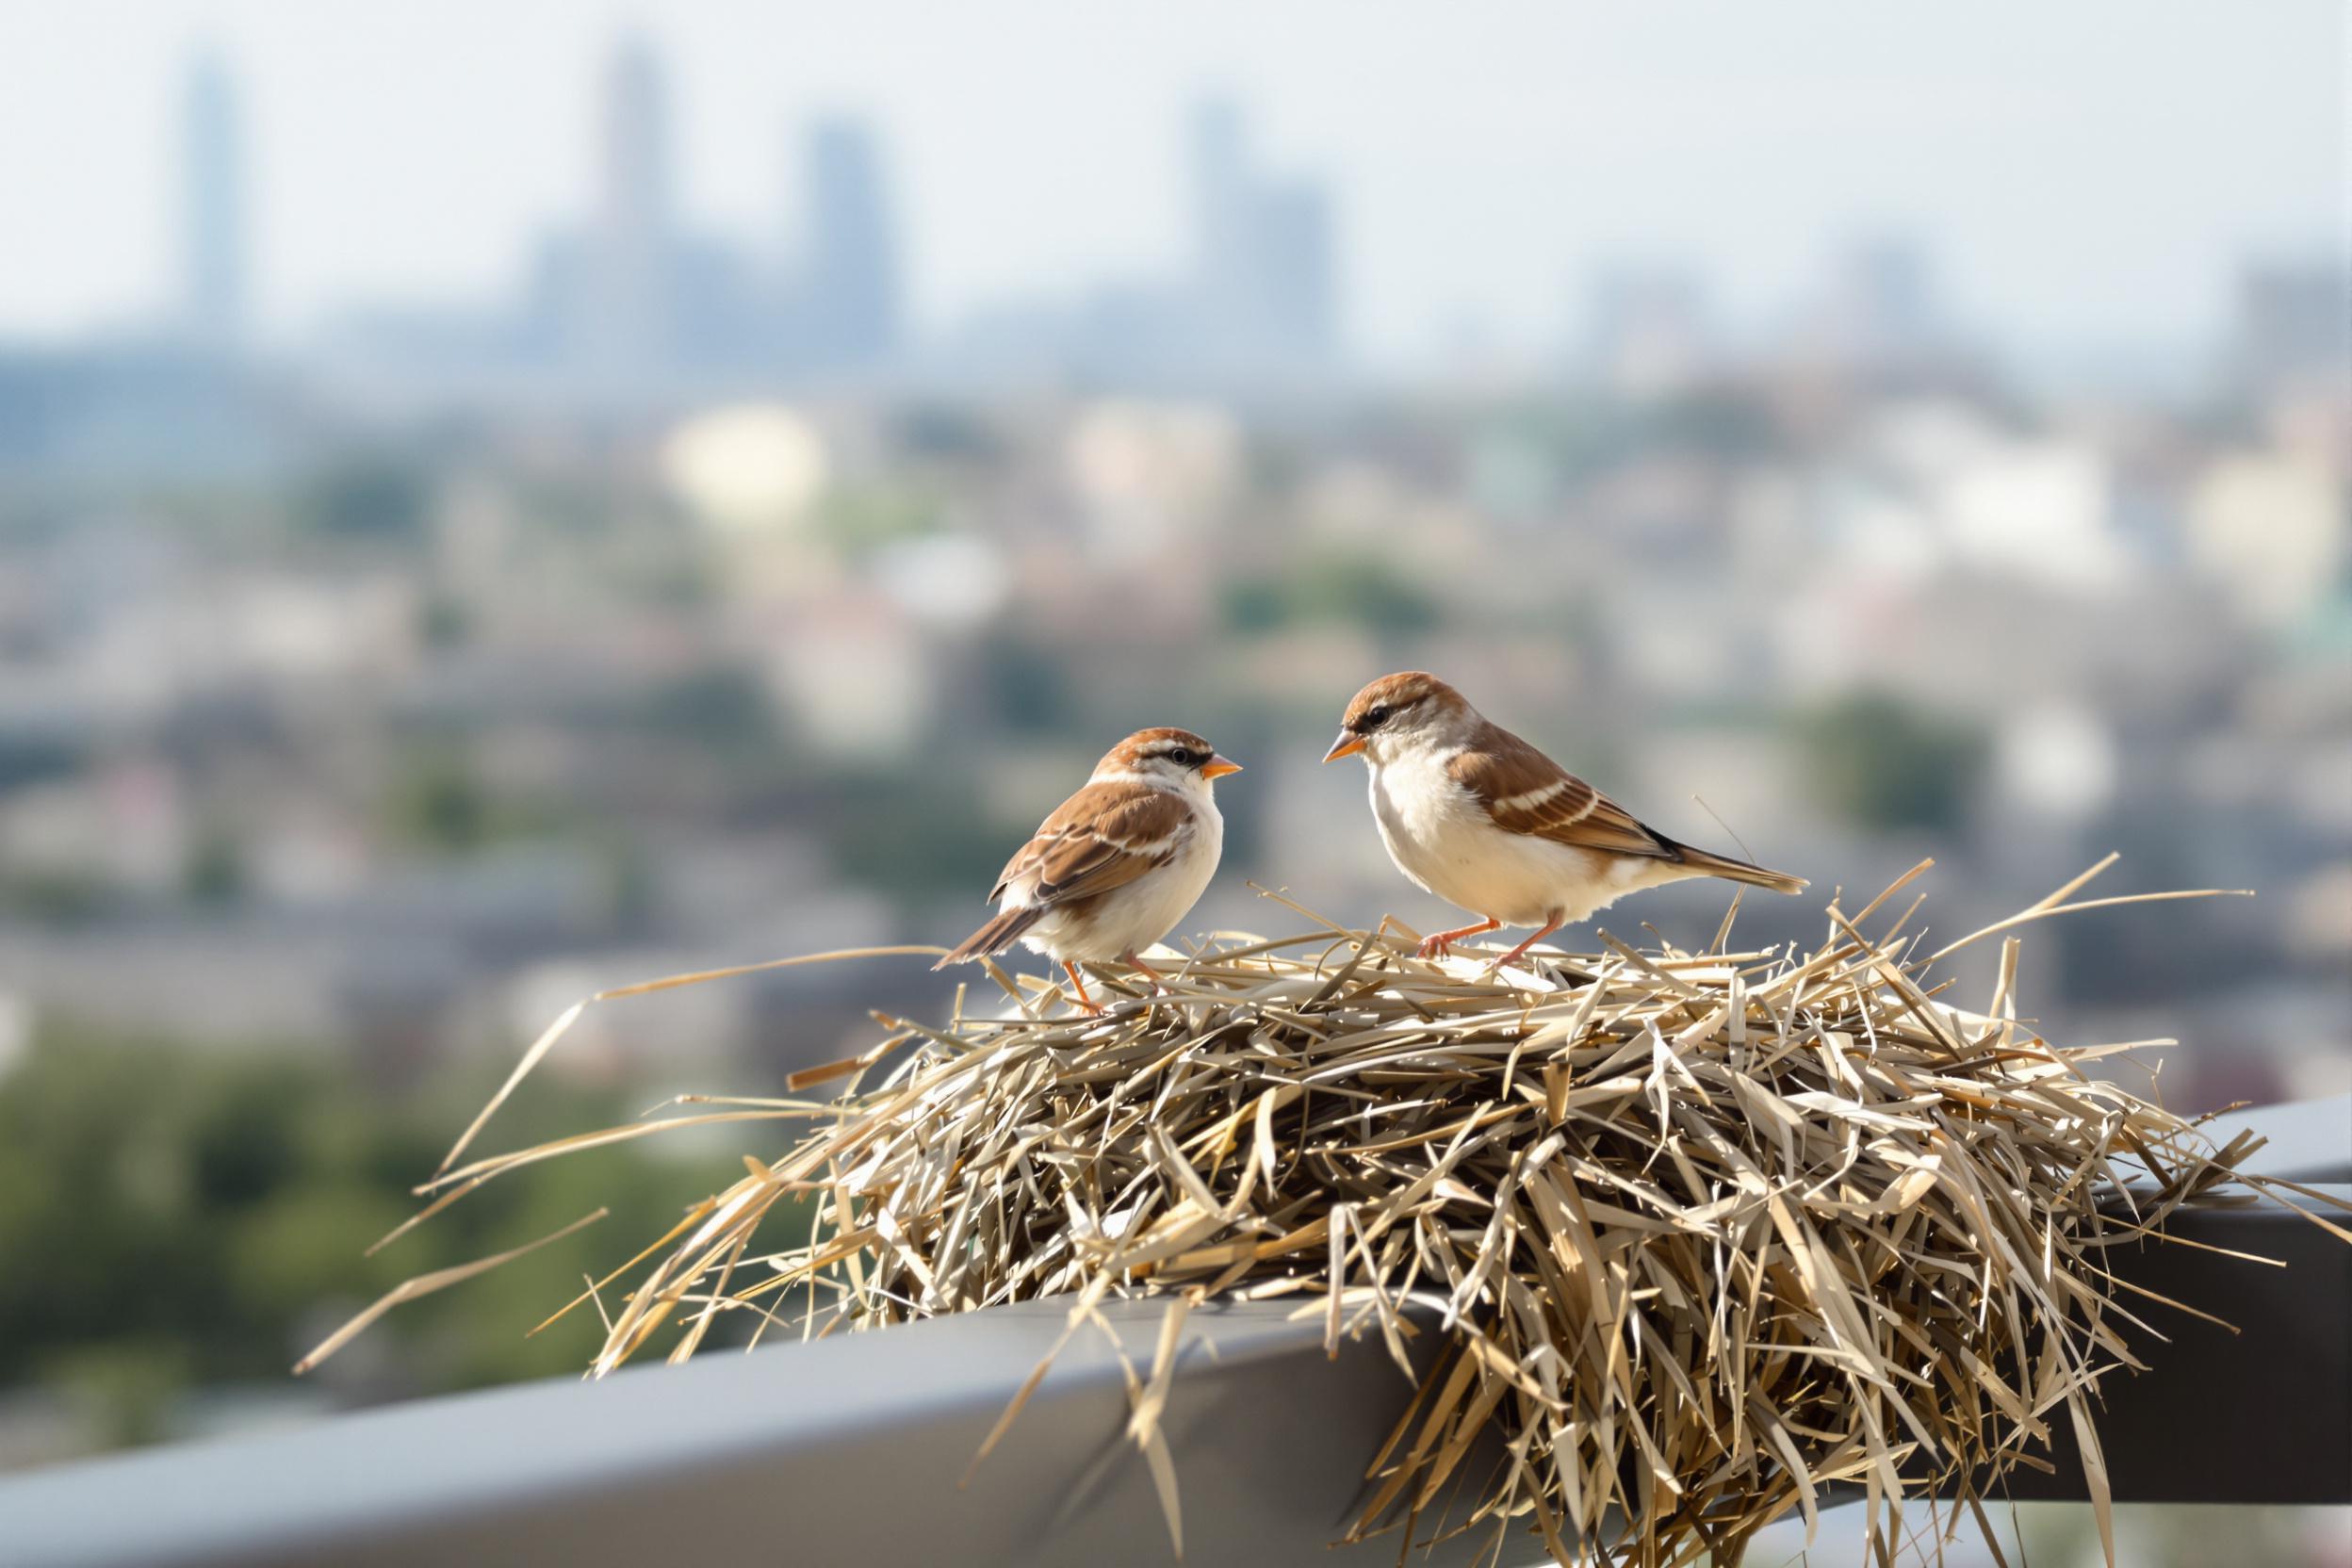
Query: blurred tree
216, 870
437, 801
170, 1218
366, 499
1025, 683
1350, 588
443, 620
437, 798
29, 759
1887, 764
915, 834
938, 431
860, 520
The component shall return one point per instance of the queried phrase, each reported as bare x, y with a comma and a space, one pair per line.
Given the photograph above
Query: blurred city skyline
2068, 212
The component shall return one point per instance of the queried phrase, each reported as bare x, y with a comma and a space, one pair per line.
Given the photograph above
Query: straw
1707, 1232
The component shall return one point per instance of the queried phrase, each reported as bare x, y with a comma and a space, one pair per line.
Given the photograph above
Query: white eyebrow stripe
1531, 798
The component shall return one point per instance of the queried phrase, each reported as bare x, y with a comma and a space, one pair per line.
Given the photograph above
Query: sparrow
1117, 864
1476, 815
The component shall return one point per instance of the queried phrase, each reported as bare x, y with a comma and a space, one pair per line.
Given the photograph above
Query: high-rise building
1219, 171
1293, 223
2293, 320
213, 292
1883, 304
633, 247
848, 284
1262, 261
1646, 331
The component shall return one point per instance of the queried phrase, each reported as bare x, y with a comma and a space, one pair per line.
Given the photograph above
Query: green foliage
30, 759
860, 520
437, 799
1350, 588
442, 621
1887, 764
171, 1217
366, 499
216, 871
1027, 682
62, 897
716, 709
914, 835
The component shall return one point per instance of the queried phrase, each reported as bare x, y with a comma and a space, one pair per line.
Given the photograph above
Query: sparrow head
1397, 712
1171, 758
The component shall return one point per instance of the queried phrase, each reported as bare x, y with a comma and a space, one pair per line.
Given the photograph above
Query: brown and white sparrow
1117, 864
1476, 815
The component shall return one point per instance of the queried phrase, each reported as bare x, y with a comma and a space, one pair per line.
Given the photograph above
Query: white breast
1134, 916
1440, 836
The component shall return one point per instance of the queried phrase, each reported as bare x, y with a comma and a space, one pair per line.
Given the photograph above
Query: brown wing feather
1526, 792
1104, 837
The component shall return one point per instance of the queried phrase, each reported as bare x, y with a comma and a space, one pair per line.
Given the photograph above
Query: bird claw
1434, 947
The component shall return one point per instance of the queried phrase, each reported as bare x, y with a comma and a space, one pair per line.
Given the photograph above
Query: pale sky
2086, 172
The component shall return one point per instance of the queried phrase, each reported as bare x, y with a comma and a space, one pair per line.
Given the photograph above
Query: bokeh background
503, 498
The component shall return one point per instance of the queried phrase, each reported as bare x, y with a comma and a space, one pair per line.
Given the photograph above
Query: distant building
1879, 312
1295, 255
2294, 321
1218, 165
847, 284
1264, 288
1646, 329
214, 285
631, 303
634, 247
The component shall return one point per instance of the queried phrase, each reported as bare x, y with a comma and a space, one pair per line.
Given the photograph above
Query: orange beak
1347, 746
1217, 767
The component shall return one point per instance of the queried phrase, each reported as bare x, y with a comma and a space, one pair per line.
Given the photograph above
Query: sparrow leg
1085, 1002
1159, 981
1513, 956
1444, 941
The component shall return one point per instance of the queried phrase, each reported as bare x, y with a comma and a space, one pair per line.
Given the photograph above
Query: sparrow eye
1378, 717
1185, 757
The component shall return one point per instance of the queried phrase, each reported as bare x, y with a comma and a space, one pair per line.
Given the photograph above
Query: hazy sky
2084, 172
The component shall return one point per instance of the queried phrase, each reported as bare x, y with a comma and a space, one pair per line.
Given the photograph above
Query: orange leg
1158, 980
1444, 941
1513, 956
1085, 1002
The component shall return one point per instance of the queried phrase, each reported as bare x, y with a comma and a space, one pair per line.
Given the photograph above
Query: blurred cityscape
365, 700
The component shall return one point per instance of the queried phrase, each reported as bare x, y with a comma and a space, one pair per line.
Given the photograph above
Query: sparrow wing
1104, 837
1526, 792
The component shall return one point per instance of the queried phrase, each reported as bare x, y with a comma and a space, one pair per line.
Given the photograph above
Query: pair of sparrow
1468, 811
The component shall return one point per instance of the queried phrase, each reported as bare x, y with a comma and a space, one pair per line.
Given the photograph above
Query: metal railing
852, 1449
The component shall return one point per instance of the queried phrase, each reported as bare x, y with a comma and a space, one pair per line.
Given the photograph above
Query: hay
1706, 1235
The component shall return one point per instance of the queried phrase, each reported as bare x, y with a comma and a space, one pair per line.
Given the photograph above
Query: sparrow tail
1739, 871
993, 937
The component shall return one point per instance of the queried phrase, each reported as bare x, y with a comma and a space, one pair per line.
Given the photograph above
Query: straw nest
1704, 1233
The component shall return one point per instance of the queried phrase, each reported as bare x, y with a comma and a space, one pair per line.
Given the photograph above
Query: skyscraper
849, 278
2292, 321
634, 245
1219, 170
213, 283
1263, 260
1294, 220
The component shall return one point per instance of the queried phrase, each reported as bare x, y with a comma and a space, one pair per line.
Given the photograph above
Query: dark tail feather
993, 937
1740, 871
